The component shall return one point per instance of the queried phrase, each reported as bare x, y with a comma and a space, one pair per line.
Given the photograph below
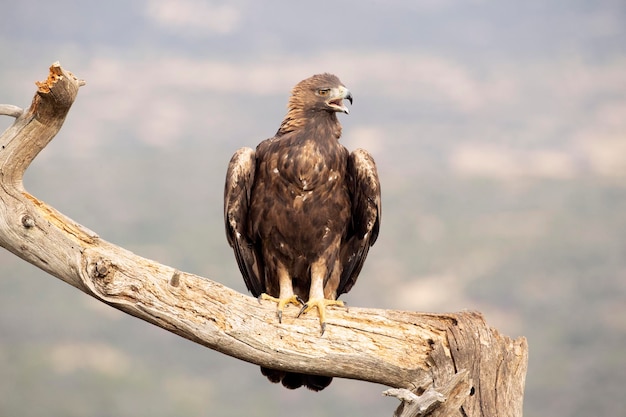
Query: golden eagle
301, 211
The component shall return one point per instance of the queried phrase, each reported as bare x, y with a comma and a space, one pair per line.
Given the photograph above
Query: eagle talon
304, 307
282, 302
320, 304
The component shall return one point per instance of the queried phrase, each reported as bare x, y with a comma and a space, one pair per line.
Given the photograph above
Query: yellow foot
282, 302
320, 304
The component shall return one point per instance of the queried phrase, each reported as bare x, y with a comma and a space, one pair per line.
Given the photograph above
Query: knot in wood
28, 221
101, 268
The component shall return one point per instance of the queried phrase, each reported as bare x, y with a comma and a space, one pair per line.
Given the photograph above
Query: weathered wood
465, 367
10, 110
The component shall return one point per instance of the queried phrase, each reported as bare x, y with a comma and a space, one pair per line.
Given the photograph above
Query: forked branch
453, 364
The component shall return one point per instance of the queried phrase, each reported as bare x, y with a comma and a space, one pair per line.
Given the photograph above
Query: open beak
337, 96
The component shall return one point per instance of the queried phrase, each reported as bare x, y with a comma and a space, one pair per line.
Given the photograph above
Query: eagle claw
320, 304
282, 302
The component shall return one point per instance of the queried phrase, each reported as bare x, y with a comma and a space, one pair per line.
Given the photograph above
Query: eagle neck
324, 124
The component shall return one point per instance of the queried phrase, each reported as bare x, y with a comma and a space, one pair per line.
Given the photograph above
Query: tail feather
294, 380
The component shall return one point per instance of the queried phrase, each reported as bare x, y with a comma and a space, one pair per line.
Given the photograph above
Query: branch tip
414, 405
11, 110
56, 73
175, 279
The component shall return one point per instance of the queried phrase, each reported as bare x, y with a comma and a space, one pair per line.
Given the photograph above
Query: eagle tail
293, 380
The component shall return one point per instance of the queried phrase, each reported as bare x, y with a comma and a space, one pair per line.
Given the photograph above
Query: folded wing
239, 180
366, 213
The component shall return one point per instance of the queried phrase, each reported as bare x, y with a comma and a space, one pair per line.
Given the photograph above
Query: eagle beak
349, 97
336, 101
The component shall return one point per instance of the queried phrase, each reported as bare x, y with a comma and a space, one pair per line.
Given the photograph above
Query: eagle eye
323, 91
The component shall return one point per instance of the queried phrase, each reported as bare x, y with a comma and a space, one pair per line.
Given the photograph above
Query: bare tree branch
454, 364
10, 110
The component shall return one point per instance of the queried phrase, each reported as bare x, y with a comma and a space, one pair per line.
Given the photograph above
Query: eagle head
320, 92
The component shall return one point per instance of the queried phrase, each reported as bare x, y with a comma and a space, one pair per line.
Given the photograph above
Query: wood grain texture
479, 371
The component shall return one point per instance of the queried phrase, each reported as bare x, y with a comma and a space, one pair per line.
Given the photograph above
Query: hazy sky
496, 88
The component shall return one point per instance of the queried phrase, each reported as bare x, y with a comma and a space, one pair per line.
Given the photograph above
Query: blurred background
499, 129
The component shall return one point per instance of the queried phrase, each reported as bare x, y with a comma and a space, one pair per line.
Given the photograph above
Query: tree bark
441, 364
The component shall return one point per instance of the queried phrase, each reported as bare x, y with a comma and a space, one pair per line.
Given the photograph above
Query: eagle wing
239, 181
364, 187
